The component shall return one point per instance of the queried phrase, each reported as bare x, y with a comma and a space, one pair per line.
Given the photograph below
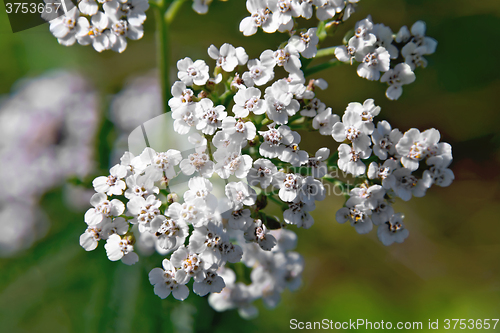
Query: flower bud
172, 197
202, 94
164, 182
129, 237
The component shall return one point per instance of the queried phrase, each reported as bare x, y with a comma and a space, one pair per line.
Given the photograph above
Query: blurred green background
449, 267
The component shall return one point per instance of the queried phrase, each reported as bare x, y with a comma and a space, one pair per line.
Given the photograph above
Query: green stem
225, 97
323, 66
172, 11
166, 11
328, 51
163, 55
321, 32
282, 205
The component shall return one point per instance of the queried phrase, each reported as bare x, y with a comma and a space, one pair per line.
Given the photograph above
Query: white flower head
118, 248
104, 229
162, 163
413, 55
260, 16
312, 190
367, 111
393, 230
198, 161
232, 163
305, 43
324, 121
170, 233
396, 78
189, 264
317, 164
96, 34
184, 117
212, 283
66, 27
275, 141
354, 129
228, 57
289, 185
280, 102
188, 213
238, 130
258, 233
292, 153
298, 214
362, 31
200, 188
329, 8
240, 194
104, 208
415, 146
210, 116
261, 173
357, 214
144, 211
384, 38
373, 61
385, 139
419, 38
113, 184
287, 57
120, 30
347, 53
350, 159
248, 100
180, 95
259, 73
164, 282
192, 72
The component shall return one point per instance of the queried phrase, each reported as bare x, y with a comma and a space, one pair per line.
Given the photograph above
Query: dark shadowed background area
449, 267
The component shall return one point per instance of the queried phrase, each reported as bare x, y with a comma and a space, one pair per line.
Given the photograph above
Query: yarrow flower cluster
375, 45
105, 24
280, 15
396, 173
242, 121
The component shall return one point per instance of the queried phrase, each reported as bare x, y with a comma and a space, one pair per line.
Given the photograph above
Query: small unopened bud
202, 94
172, 197
310, 86
254, 141
164, 181
236, 83
129, 237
